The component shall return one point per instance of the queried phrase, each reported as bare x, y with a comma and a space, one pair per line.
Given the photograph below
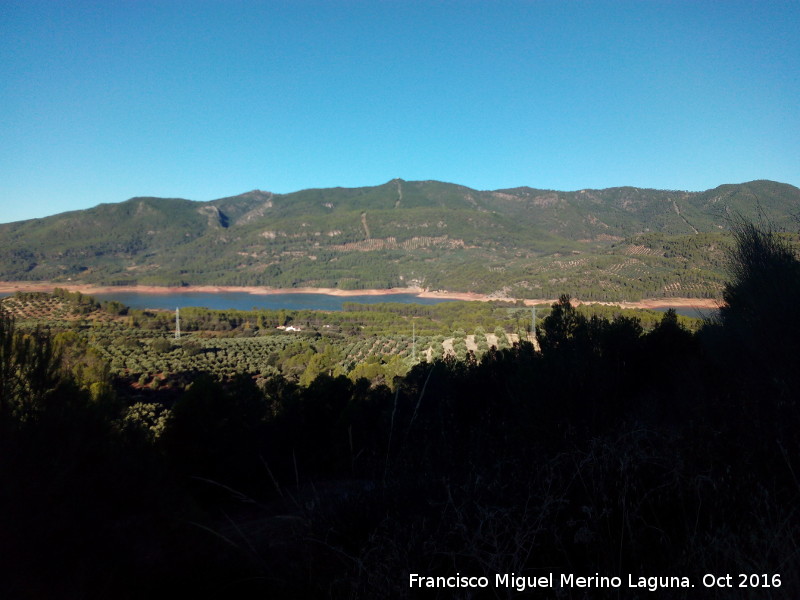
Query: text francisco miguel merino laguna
563, 580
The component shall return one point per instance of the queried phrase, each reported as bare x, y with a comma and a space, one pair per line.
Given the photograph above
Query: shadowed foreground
611, 451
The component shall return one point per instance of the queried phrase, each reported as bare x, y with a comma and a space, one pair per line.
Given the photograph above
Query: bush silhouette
760, 316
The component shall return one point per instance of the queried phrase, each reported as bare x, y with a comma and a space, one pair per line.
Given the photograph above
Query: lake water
689, 311
245, 301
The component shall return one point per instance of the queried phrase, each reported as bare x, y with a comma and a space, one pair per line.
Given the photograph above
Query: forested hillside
612, 244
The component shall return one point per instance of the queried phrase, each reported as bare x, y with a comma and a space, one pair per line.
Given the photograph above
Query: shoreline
86, 288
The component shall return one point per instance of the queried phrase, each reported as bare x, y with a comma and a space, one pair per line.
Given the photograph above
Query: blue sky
102, 101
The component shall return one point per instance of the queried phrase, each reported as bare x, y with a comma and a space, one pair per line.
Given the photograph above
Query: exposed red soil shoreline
27, 286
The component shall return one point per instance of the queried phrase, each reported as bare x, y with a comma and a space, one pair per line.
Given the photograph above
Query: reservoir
246, 301
690, 311
294, 301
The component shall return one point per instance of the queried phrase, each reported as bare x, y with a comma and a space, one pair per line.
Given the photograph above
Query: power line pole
177, 323
534, 341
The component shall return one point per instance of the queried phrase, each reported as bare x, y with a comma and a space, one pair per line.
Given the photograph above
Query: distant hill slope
617, 243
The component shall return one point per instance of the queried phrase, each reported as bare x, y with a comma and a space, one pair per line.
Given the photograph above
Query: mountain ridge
613, 243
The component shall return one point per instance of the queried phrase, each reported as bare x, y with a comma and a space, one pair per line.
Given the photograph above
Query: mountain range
611, 244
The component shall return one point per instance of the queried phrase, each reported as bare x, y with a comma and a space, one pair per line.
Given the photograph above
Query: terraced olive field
376, 341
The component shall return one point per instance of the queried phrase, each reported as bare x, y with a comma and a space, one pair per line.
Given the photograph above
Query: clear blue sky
102, 101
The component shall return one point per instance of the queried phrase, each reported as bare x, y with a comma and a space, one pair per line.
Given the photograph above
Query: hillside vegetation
613, 244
